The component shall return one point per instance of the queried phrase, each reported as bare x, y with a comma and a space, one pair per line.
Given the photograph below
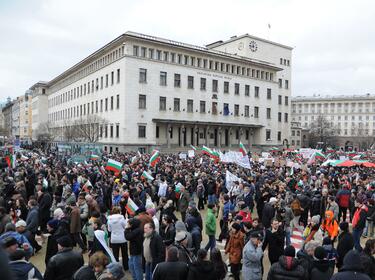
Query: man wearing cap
22, 241
252, 258
65, 263
268, 212
359, 221
181, 242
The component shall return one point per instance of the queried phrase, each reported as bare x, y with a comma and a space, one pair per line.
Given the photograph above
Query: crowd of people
186, 220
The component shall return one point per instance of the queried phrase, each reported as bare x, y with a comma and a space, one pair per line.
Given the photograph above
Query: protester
359, 222
252, 258
172, 268
22, 269
153, 249
234, 249
210, 226
202, 268
345, 244
134, 235
322, 267
352, 268
367, 258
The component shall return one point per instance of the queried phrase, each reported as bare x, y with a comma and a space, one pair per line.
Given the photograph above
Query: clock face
253, 46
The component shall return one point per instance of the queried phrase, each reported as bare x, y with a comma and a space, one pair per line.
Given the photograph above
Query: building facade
151, 92
15, 132
39, 108
7, 115
352, 118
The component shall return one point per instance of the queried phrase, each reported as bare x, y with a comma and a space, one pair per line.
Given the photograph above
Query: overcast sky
334, 44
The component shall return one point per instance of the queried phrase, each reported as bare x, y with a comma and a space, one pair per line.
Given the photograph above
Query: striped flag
114, 166
94, 157
155, 158
213, 154
296, 239
243, 149
193, 147
9, 159
147, 176
131, 207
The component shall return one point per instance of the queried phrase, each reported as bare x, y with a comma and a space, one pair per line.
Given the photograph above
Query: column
167, 135
207, 135
181, 135
240, 135
219, 137
229, 137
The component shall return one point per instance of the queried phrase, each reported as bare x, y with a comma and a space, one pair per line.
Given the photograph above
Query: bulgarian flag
147, 176
10, 159
114, 166
131, 207
243, 149
319, 155
213, 154
94, 157
193, 147
155, 158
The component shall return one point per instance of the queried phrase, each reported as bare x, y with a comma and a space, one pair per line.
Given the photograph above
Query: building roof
318, 98
235, 38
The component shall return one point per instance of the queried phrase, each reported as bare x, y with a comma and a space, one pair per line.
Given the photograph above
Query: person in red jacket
343, 200
359, 221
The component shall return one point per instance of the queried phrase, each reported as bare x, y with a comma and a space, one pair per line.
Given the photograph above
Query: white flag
230, 178
243, 162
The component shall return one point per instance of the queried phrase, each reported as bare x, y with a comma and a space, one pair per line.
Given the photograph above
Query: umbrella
347, 163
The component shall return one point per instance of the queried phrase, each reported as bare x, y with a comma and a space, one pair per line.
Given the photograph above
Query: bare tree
88, 129
321, 130
69, 131
44, 133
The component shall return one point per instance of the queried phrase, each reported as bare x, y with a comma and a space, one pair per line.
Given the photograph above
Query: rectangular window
101, 82
162, 103
202, 106
151, 53
117, 130
268, 93
112, 99
279, 136
256, 92
142, 75
176, 104
280, 83
141, 131
111, 131
236, 88
247, 90
173, 57
286, 100
92, 86
190, 106
279, 116
177, 80
268, 113
214, 85
118, 75
142, 101
190, 82
97, 85
101, 105
106, 131
225, 109
236, 109
268, 134
106, 105
214, 108
96, 106
226, 87
157, 132
158, 55
135, 50
118, 101
163, 78
143, 52
286, 84
256, 112
106, 81
112, 78
286, 117
280, 99
203, 83
247, 111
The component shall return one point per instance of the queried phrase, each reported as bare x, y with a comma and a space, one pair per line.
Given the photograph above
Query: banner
230, 178
191, 153
182, 155
244, 162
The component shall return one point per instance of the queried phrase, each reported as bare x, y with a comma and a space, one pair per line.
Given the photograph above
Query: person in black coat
171, 269
153, 249
352, 268
345, 243
367, 259
134, 235
322, 267
287, 268
275, 240
51, 249
202, 268
268, 212
169, 230
45, 203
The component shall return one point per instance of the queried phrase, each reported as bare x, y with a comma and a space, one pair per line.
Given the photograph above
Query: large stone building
25, 116
153, 92
352, 118
39, 108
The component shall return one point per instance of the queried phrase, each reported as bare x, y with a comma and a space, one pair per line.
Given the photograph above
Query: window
177, 80
268, 93
162, 103
190, 107
163, 78
268, 134
256, 112
286, 101
142, 101
96, 87
236, 109
214, 85
158, 55
298, 133
202, 106
280, 100
118, 101
142, 75
247, 111
176, 104
247, 90
96, 107
117, 130
190, 82
256, 92
280, 83
118, 75
279, 136
112, 99
173, 57
226, 109
157, 132
92, 86
106, 105
106, 131
203, 83
101, 83
141, 131
293, 133
268, 113
151, 53
286, 84
236, 88
106, 81
143, 52
285, 117
214, 108
279, 117
226, 87
111, 131
135, 50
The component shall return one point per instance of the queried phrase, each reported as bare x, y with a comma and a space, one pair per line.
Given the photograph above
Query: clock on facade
253, 46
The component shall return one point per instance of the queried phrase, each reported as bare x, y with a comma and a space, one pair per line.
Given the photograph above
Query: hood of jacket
322, 265
329, 215
135, 223
288, 263
21, 269
352, 262
115, 218
205, 267
180, 226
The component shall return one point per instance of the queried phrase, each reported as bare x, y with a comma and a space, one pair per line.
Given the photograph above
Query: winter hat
236, 226
352, 261
180, 226
116, 270
9, 227
344, 226
9, 241
151, 211
327, 241
180, 236
21, 223
290, 251
53, 223
192, 204
64, 241
315, 219
320, 253
273, 200
58, 214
